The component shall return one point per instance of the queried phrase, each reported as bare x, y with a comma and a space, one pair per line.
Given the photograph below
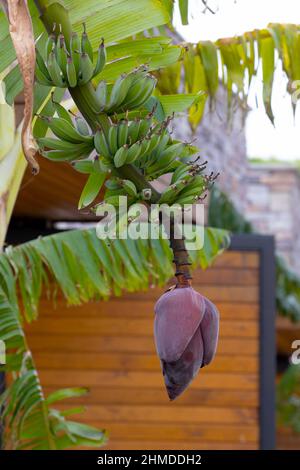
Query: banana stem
181, 258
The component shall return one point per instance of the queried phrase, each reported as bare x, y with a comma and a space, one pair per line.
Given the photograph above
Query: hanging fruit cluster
121, 144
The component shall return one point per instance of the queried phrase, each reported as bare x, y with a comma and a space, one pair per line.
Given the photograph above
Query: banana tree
125, 122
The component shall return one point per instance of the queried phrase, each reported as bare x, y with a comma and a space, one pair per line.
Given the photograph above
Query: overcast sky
235, 17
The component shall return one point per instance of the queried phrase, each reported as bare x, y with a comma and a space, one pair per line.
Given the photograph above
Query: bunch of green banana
130, 91
69, 65
72, 143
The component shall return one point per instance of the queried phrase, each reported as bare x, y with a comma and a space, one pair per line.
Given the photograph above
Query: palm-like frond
83, 268
237, 60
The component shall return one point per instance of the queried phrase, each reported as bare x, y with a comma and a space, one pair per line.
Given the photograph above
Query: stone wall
272, 206
267, 195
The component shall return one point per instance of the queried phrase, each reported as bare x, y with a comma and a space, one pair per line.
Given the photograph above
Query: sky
235, 17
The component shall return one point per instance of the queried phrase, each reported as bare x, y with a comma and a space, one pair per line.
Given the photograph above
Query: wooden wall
109, 347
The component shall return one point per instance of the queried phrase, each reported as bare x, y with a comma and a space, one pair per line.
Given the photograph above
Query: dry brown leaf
21, 32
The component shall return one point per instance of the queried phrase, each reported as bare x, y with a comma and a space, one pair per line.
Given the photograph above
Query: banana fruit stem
181, 258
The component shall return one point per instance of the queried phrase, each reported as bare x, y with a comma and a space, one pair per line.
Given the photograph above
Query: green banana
101, 94
50, 44
133, 152
84, 166
64, 130
101, 59
180, 172
41, 78
61, 54
120, 156
144, 127
86, 69
57, 144
71, 72
64, 155
196, 188
133, 131
75, 49
41, 64
113, 200
86, 46
61, 111
55, 71
166, 158
139, 93
82, 126
129, 187
119, 91
101, 144
113, 138
91, 99
122, 133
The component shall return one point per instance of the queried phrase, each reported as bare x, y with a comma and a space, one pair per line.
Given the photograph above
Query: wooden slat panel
165, 414
226, 276
169, 432
116, 308
238, 259
153, 396
134, 362
204, 380
219, 293
132, 327
96, 343
181, 445
109, 347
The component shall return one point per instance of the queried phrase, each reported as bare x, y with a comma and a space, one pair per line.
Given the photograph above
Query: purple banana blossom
186, 329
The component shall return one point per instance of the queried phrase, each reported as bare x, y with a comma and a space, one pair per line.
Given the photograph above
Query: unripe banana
79, 151
101, 59
119, 91
113, 138
101, 94
139, 93
75, 49
144, 127
50, 45
41, 65
120, 156
61, 111
180, 172
166, 158
122, 133
133, 152
129, 187
196, 188
41, 78
65, 131
56, 144
86, 69
101, 144
55, 71
71, 72
84, 166
133, 131
82, 126
86, 45
61, 54
154, 141
113, 200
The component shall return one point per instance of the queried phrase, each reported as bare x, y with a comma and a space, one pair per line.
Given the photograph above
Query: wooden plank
126, 326
221, 381
217, 293
135, 362
96, 343
181, 445
154, 396
123, 308
185, 432
237, 259
169, 414
227, 276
